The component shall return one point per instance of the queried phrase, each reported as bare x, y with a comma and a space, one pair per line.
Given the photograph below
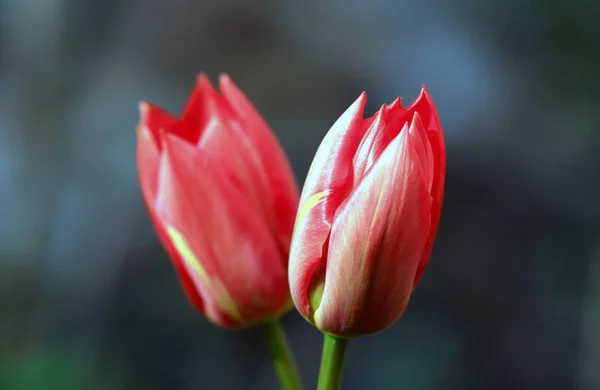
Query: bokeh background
511, 299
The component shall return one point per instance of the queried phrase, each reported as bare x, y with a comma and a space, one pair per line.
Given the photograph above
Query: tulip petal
396, 104
210, 121
148, 158
426, 108
376, 242
227, 248
186, 281
327, 184
423, 150
431, 121
363, 158
275, 164
224, 142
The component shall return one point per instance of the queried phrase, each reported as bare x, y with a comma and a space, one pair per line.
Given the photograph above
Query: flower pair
224, 202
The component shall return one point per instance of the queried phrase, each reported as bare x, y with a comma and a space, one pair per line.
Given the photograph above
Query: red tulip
369, 212
222, 197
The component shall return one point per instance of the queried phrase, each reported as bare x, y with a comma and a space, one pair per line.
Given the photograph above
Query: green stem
281, 353
332, 362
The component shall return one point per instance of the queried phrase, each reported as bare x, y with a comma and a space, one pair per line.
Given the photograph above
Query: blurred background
511, 299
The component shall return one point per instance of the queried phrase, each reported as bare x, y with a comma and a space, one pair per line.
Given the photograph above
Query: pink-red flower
222, 197
368, 216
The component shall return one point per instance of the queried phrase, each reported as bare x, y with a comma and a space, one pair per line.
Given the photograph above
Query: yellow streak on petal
213, 286
316, 296
310, 203
185, 252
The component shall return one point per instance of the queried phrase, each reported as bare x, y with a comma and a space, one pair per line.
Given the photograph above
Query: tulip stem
332, 362
281, 353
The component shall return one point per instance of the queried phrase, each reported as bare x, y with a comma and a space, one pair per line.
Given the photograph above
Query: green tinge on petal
310, 203
185, 252
316, 295
214, 286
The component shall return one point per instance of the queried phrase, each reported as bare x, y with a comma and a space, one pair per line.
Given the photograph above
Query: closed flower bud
368, 216
222, 198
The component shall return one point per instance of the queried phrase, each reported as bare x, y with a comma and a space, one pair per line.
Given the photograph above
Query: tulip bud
368, 216
222, 197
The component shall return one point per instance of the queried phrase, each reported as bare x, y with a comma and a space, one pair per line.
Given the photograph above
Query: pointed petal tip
424, 98
424, 94
224, 78
201, 75
416, 123
144, 111
143, 107
380, 117
226, 83
396, 103
416, 117
427, 109
356, 110
200, 101
360, 103
203, 81
204, 85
